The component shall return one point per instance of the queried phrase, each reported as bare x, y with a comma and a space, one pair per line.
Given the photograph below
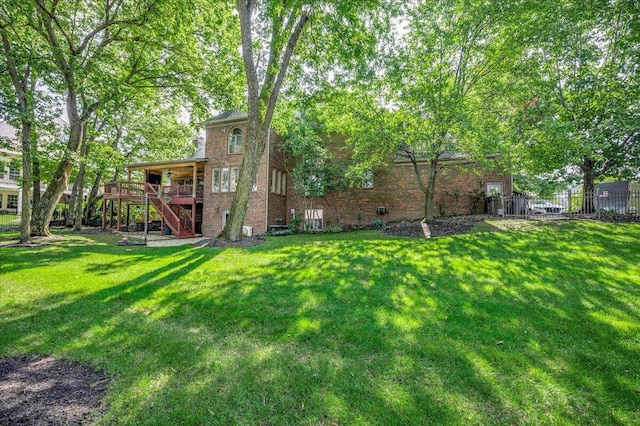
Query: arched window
235, 141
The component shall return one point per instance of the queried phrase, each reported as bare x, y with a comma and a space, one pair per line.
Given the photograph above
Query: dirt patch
438, 227
224, 243
48, 391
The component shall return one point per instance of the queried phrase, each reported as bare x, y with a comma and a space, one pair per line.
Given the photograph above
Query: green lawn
535, 326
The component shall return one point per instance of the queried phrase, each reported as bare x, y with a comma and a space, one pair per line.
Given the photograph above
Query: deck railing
124, 189
133, 189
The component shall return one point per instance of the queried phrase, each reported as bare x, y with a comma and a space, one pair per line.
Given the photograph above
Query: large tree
271, 31
583, 81
103, 50
437, 92
24, 104
19, 69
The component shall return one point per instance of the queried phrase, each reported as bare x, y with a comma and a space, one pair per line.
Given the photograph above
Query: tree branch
286, 59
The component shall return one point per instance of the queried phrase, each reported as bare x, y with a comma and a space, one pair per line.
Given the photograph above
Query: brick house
389, 193
10, 190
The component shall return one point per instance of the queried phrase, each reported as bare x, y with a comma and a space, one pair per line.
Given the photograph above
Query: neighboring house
619, 197
10, 175
10, 191
195, 195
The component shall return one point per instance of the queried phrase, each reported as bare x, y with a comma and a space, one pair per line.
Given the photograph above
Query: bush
294, 225
95, 220
378, 223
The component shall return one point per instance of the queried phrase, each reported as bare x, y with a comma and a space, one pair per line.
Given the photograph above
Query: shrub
378, 223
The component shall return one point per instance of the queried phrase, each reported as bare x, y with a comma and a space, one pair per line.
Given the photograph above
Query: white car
544, 207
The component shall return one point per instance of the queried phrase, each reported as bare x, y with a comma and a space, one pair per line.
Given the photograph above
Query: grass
539, 325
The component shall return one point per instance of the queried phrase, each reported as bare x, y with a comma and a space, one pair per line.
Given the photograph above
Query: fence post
598, 203
569, 202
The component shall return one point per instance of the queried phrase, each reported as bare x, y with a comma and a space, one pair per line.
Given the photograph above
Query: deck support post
119, 214
128, 214
194, 181
104, 214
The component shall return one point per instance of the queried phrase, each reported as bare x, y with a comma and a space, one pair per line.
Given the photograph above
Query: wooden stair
176, 217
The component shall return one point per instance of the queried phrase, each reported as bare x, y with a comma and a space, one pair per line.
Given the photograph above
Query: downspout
267, 189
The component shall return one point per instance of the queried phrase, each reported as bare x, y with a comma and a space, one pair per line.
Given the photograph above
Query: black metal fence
566, 204
9, 220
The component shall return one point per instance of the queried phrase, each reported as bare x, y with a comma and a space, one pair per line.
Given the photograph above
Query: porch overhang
178, 168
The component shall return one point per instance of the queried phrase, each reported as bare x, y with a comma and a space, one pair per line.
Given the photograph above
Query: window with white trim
278, 182
313, 219
367, 179
12, 201
233, 179
494, 188
274, 175
215, 180
14, 174
235, 141
224, 179
284, 184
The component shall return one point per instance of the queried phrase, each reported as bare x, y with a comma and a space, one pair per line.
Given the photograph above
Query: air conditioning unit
247, 231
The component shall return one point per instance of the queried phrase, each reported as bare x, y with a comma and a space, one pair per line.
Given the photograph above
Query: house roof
199, 153
160, 165
445, 156
231, 115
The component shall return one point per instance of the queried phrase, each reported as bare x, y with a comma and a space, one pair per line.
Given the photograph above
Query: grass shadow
487, 328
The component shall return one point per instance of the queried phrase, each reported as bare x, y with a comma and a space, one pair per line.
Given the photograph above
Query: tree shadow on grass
486, 328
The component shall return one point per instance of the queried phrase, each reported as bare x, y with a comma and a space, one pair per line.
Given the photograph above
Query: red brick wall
215, 204
396, 189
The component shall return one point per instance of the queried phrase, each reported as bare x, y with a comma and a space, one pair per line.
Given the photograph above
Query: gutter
267, 188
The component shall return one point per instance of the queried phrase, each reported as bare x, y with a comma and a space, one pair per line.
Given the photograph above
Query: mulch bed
49, 391
438, 227
619, 218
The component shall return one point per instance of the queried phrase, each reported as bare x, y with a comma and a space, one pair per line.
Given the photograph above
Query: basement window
313, 219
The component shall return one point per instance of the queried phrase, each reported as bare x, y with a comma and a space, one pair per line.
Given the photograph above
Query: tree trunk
24, 85
92, 199
261, 101
429, 187
74, 217
80, 184
247, 175
25, 218
71, 211
36, 173
43, 211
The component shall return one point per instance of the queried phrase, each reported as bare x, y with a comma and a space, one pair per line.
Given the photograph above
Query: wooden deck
172, 202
